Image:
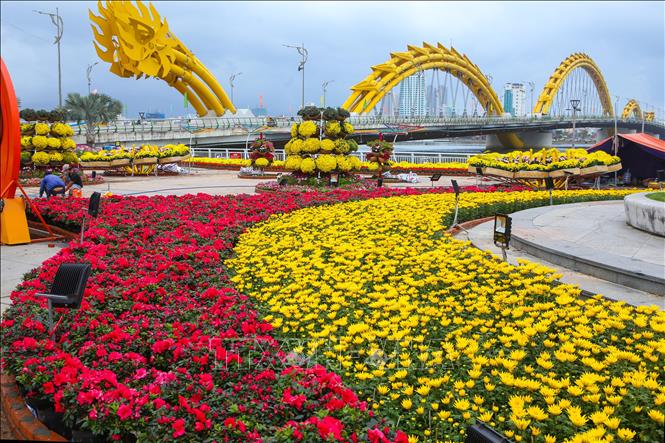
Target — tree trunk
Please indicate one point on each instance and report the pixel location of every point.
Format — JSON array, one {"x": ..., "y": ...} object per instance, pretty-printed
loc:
[{"x": 89, "y": 134}]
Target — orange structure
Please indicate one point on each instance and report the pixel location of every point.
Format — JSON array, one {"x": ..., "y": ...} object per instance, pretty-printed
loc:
[{"x": 13, "y": 222}]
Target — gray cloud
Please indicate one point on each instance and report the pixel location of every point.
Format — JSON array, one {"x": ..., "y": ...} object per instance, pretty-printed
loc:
[{"x": 512, "y": 41}]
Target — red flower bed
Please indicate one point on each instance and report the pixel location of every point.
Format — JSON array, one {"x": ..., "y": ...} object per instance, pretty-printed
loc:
[{"x": 163, "y": 347}]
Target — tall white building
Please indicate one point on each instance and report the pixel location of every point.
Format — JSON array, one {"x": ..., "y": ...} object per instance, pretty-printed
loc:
[
  {"x": 514, "y": 99},
  {"x": 412, "y": 96}
]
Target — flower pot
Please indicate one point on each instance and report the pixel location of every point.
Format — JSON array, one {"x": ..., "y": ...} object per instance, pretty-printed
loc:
[
  {"x": 145, "y": 161},
  {"x": 591, "y": 170},
  {"x": 614, "y": 167},
  {"x": 498, "y": 172},
  {"x": 96, "y": 164},
  {"x": 120, "y": 162},
  {"x": 530, "y": 174},
  {"x": 165, "y": 160}
]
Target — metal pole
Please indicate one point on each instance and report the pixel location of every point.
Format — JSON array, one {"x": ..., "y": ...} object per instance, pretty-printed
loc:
[
  {"x": 50, "y": 319},
  {"x": 302, "y": 96},
  {"x": 82, "y": 231},
  {"x": 303, "y": 52},
  {"x": 325, "y": 88},
  {"x": 233, "y": 77},
  {"x": 60, "y": 27},
  {"x": 615, "y": 140},
  {"x": 88, "y": 73}
]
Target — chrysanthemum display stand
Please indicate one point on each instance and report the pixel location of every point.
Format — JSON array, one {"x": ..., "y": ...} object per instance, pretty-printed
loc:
[
  {"x": 533, "y": 168},
  {"x": 47, "y": 145},
  {"x": 318, "y": 147},
  {"x": 135, "y": 161},
  {"x": 261, "y": 156},
  {"x": 380, "y": 152}
]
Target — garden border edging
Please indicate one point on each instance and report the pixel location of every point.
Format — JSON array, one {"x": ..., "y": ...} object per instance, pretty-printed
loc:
[{"x": 21, "y": 421}]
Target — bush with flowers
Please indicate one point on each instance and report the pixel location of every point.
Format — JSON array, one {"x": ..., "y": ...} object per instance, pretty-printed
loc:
[
  {"x": 436, "y": 335},
  {"x": 379, "y": 155}
]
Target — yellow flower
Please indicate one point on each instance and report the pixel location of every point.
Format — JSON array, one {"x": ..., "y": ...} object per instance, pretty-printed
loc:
[
  {"x": 326, "y": 162},
  {"x": 307, "y": 128},
  {"x": 462, "y": 404},
  {"x": 625, "y": 434},
  {"x": 406, "y": 404},
  {"x": 576, "y": 417},
  {"x": 307, "y": 165},
  {"x": 383, "y": 390},
  {"x": 261, "y": 162},
  {"x": 327, "y": 145},
  {"x": 657, "y": 416}
]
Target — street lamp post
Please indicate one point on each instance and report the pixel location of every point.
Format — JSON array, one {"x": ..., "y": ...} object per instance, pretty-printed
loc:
[
  {"x": 88, "y": 71},
  {"x": 233, "y": 77},
  {"x": 615, "y": 139},
  {"x": 60, "y": 27},
  {"x": 301, "y": 67},
  {"x": 574, "y": 103},
  {"x": 531, "y": 86},
  {"x": 324, "y": 86}
]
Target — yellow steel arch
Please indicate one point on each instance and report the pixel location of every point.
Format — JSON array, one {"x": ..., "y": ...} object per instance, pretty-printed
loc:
[
  {"x": 385, "y": 76},
  {"x": 649, "y": 116},
  {"x": 632, "y": 107},
  {"x": 574, "y": 61},
  {"x": 136, "y": 42}
]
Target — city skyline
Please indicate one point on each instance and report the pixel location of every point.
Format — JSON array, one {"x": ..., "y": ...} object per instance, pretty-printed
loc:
[{"x": 343, "y": 52}]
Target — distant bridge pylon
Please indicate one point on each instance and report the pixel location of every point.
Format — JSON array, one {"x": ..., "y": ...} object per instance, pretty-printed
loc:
[{"x": 632, "y": 107}]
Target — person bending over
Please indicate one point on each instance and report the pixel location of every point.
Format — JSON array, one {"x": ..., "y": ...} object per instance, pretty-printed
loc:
[
  {"x": 74, "y": 183},
  {"x": 51, "y": 184}
]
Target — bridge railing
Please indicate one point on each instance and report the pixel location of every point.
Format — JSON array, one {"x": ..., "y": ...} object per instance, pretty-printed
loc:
[
  {"x": 245, "y": 124},
  {"x": 411, "y": 157}
]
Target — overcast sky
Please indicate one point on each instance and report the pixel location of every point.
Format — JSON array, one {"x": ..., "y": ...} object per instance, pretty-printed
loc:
[{"x": 512, "y": 41}]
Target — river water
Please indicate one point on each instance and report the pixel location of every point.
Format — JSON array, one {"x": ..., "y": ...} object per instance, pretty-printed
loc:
[{"x": 448, "y": 146}]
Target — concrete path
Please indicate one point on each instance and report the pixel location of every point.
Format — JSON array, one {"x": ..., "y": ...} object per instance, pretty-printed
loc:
[
  {"x": 218, "y": 182},
  {"x": 593, "y": 229},
  {"x": 18, "y": 260}
]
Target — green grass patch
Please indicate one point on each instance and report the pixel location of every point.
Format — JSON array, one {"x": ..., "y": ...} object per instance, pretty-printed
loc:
[{"x": 658, "y": 196}]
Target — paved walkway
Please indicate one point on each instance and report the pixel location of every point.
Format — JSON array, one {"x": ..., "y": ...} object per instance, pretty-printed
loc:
[
  {"x": 18, "y": 260},
  {"x": 595, "y": 230},
  {"x": 214, "y": 182}
]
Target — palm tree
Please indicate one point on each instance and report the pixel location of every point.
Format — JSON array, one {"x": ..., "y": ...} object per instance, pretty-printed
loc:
[{"x": 93, "y": 109}]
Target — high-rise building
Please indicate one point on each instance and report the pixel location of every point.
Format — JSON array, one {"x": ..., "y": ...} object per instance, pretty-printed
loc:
[
  {"x": 514, "y": 99},
  {"x": 412, "y": 96}
]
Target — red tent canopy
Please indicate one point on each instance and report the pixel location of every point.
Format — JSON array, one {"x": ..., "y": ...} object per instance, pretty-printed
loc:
[{"x": 641, "y": 153}]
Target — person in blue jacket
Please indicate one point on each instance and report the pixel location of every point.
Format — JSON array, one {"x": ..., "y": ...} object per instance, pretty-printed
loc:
[{"x": 52, "y": 185}]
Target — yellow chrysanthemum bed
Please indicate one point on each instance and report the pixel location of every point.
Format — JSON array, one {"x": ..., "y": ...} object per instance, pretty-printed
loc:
[{"x": 436, "y": 334}]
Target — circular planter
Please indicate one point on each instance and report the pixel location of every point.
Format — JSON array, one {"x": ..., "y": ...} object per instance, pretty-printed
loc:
[{"x": 645, "y": 214}]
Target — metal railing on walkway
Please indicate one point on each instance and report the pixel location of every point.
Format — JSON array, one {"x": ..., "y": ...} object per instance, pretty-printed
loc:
[{"x": 411, "y": 157}]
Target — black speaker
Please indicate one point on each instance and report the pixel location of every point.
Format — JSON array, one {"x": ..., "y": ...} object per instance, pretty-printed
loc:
[
  {"x": 479, "y": 171},
  {"x": 93, "y": 175},
  {"x": 379, "y": 182},
  {"x": 455, "y": 186},
  {"x": 481, "y": 433},
  {"x": 93, "y": 206},
  {"x": 549, "y": 183}
]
